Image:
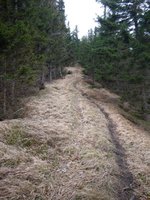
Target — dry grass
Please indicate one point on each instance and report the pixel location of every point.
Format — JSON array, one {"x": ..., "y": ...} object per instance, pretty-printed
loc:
[
  {"x": 62, "y": 149},
  {"x": 135, "y": 140},
  {"x": 27, "y": 161},
  {"x": 57, "y": 152}
]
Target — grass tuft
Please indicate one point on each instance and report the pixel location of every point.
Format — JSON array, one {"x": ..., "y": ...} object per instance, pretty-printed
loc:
[
  {"x": 10, "y": 162},
  {"x": 16, "y": 136},
  {"x": 19, "y": 138}
]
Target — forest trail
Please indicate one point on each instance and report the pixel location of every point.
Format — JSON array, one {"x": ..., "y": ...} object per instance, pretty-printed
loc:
[{"x": 73, "y": 145}]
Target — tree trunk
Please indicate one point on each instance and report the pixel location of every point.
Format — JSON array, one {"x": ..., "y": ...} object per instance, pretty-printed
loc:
[
  {"x": 144, "y": 98},
  {"x": 16, "y": 5},
  {"x": 60, "y": 72},
  {"x": 135, "y": 18},
  {"x": 5, "y": 92},
  {"x": 105, "y": 11},
  {"x": 42, "y": 80},
  {"x": 4, "y": 101},
  {"x": 13, "y": 92},
  {"x": 136, "y": 27},
  {"x": 54, "y": 72},
  {"x": 50, "y": 73}
]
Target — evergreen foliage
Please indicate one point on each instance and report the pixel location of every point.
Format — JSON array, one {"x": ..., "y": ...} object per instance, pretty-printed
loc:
[
  {"x": 33, "y": 48},
  {"x": 118, "y": 53}
]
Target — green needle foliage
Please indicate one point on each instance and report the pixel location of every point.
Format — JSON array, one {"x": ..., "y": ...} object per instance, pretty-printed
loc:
[
  {"x": 33, "y": 48},
  {"x": 117, "y": 53}
]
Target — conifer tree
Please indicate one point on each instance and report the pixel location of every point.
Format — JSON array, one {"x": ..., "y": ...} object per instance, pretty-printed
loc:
[
  {"x": 119, "y": 52},
  {"x": 33, "y": 48}
]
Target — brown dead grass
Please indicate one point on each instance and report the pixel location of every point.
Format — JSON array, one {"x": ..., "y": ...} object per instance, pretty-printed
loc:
[
  {"x": 134, "y": 139},
  {"x": 62, "y": 149}
]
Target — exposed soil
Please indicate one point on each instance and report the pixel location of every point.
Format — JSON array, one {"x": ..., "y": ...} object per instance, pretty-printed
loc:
[{"x": 73, "y": 145}]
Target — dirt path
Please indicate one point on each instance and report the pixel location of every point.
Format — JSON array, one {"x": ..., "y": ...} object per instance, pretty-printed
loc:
[{"x": 73, "y": 145}]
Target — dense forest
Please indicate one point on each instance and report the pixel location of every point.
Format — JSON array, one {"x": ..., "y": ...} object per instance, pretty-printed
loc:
[
  {"x": 36, "y": 44},
  {"x": 117, "y": 53},
  {"x": 34, "y": 47}
]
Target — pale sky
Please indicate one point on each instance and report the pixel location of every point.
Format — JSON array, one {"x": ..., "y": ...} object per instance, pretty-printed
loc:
[{"x": 82, "y": 13}]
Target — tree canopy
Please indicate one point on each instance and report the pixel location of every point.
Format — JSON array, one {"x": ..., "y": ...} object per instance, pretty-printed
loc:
[
  {"x": 117, "y": 54},
  {"x": 34, "y": 47}
]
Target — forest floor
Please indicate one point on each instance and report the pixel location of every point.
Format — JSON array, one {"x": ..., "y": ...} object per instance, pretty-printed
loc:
[{"x": 73, "y": 144}]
